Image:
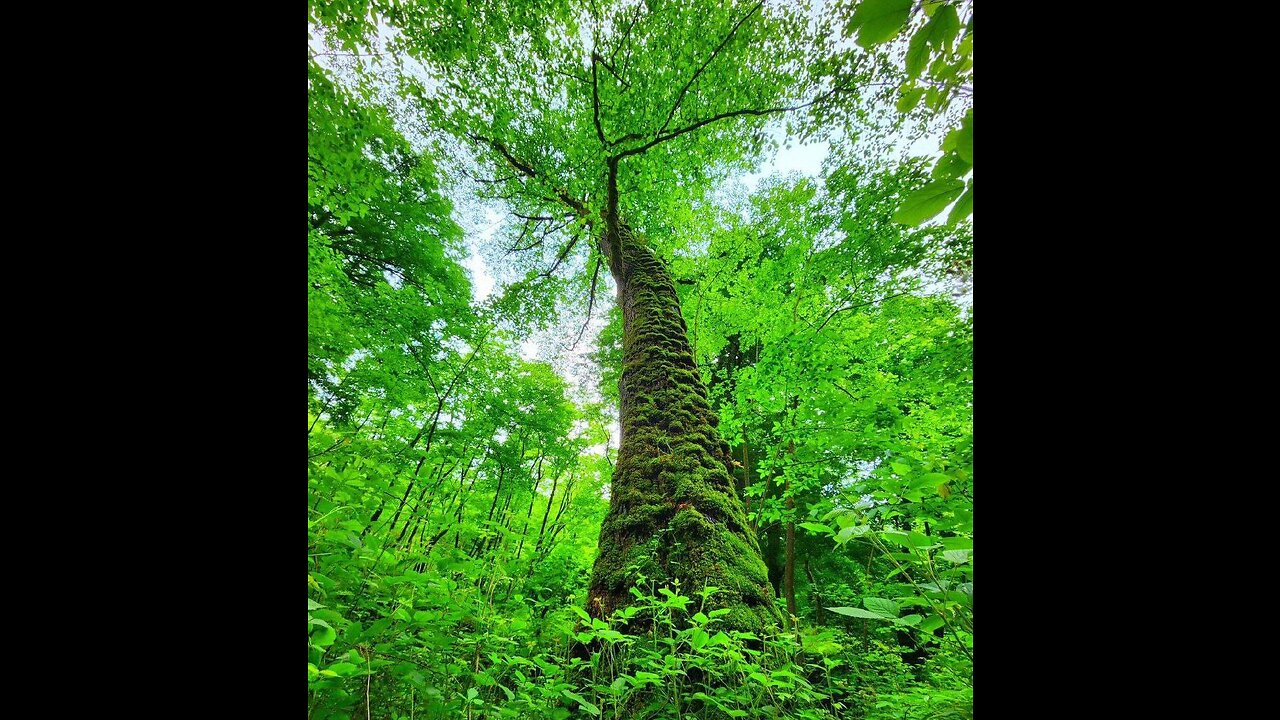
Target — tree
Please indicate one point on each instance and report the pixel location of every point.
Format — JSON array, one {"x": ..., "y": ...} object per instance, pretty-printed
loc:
[
  {"x": 445, "y": 472},
  {"x": 614, "y": 138}
]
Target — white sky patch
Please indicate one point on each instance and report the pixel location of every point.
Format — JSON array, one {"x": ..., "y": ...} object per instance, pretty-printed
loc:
[
  {"x": 804, "y": 158},
  {"x": 482, "y": 281}
]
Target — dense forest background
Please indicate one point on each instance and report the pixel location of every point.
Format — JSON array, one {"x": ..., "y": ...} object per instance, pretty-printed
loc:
[{"x": 610, "y": 414}]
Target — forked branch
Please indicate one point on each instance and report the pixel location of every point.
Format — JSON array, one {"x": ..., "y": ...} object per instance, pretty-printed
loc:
[{"x": 705, "y": 63}]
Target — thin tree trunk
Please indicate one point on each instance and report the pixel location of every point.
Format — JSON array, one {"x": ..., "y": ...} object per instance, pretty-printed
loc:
[
  {"x": 789, "y": 565},
  {"x": 816, "y": 591},
  {"x": 533, "y": 500}
]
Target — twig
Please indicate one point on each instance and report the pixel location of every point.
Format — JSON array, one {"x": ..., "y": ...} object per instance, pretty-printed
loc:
[{"x": 590, "y": 301}]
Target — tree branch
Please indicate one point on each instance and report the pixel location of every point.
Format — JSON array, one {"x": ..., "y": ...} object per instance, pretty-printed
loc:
[
  {"x": 425, "y": 369},
  {"x": 626, "y": 36},
  {"x": 705, "y": 63},
  {"x": 672, "y": 134},
  {"x": 614, "y": 71},
  {"x": 579, "y": 78},
  {"x": 523, "y": 168},
  {"x": 840, "y": 387},
  {"x": 515, "y": 246},
  {"x": 562, "y": 195},
  {"x": 591, "y": 300},
  {"x": 564, "y": 252},
  {"x": 595, "y": 99},
  {"x": 854, "y": 307}
]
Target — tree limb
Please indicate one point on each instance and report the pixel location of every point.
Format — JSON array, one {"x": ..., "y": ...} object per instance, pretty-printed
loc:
[
  {"x": 591, "y": 300},
  {"x": 595, "y": 99},
  {"x": 853, "y": 307},
  {"x": 564, "y": 252},
  {"x": 705, "y": 63},
  {"x": 614, "y": 71},
  {"x": 672, "y": 134},
  {"x": 579, "y": 78},
  {"x": 562, "y": 195},
  {"x": 425, "y": 369}
]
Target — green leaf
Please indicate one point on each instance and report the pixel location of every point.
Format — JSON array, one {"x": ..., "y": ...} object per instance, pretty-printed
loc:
[
  {"x": 963, "y": 207},
  {"x": 345, "y": 669},
  {"x": 582, "y": 701},
  {"x": 917, "y": 56},
  {"x": 928, "y": 201},
  {"x": 909, "y": 620},
  {"x": 958, "y": 557},
  {"x": 920, "y": 541},
  {"x": 323, "y": 636},
  {"x": 901, "y": 468},
  {"x": 896, "y": 537},
  {"x": 313, "y": 605},
  {"x": 961, "y": 139},
  {"x": 942, "y": 29},
  {"x": 817, "y": 528},
  {"x": 858, "y": 613},
  {"x": 879, "y": 20},
  {"x": 699, "y": 639},
  {"x": 848, "y": 533},
  {"x": 935, "y": 99},
  {"x": 949, "y": 166},
  {"x": 931, "y": 624},
  {"x": 882, "y": 606}
]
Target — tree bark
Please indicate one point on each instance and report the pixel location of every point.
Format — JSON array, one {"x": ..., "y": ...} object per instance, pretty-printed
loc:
[
  {"x": 789, "y": 562},
  {"x": 674, "y": 513}
]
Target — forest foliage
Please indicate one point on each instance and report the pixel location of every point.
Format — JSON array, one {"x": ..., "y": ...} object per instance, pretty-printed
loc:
[{"x": 458, "y": 483}]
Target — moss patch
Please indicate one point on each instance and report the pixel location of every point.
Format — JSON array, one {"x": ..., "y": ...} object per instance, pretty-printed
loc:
[{"x": 674, "y": 512}]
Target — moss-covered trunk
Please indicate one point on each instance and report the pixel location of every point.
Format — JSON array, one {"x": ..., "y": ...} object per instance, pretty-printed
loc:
[{"x": 674, "y": 511}]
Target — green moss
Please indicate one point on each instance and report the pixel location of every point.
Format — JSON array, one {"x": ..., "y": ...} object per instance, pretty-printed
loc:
[{"x": 675, "y": 514}]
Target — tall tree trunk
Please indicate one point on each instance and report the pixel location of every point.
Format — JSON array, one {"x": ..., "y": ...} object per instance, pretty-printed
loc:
[{"x": 674, "y": 513}]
